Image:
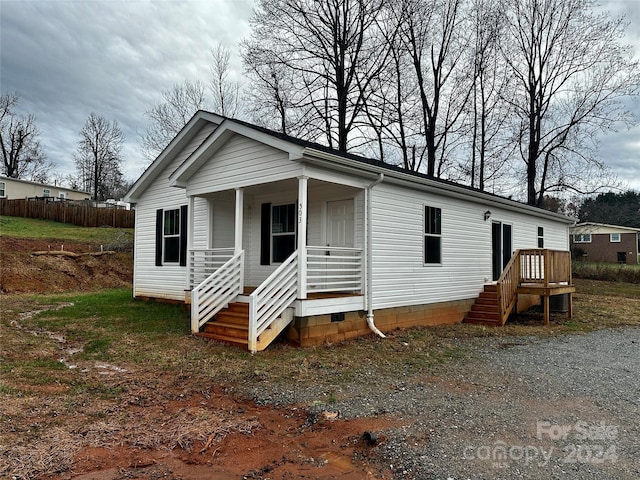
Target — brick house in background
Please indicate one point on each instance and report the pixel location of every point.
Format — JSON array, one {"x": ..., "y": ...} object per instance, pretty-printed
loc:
[{"x": 599, "y": 242}]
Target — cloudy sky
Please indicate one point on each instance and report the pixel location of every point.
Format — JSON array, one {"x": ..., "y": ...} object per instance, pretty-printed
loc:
[{"x": 67, "y": 59}]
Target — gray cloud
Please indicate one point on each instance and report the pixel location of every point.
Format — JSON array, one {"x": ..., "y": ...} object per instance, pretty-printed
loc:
[{"x": 68, "y": 59}]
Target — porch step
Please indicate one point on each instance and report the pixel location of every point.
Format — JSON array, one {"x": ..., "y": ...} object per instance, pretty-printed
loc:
[
  {"x": 485, "y": 310},
  {"x": 236, "y": 313},
  {"x": 239, "y": 342},
  {"x": 231, "y": 325}
]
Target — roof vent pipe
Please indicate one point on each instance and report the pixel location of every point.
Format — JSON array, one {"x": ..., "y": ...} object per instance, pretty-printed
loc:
[{"x": 370, "y": 323}]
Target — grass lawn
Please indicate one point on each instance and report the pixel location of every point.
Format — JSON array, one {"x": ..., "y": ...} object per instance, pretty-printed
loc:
[
  {"x": 98, "y": 368},
  {"x": 112, "y": 327},
  {"x": 48, "y": 230},
  {"x": 606, "y": 271}
]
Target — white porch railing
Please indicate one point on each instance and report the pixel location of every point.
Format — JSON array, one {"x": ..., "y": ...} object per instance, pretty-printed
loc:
[
  {"x": 272, "y": 298},
  {"x": 203, "y": 263},
  {"x": 334, "y": 269},
  {"x": 216, "y": 291}
]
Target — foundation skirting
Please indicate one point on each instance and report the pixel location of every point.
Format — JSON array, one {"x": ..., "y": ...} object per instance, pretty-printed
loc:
[{"x": 319, "y": 329}]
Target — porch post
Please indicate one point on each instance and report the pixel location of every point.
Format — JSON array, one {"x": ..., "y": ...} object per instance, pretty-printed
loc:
[
  {"x": 238, "y": 221},
  {"x": 302, "y": 237},
  {"x": 237, "y": 247},
  {"x": 190, "y": 222}
]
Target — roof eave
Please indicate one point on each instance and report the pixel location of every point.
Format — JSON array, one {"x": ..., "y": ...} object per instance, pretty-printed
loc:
[
  {"x": 451, "y": 190},
  {"x": 190, "y": 129},
  {"x": 180, "y": 177}
]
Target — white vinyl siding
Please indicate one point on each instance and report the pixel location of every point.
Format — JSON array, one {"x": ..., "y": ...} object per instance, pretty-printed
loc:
[
  {"x": 318, "y": 195},
  {"x": 242, "y": 162},
  {"x": 399, "y": 276},
  {"x": 167, "y": 281}
]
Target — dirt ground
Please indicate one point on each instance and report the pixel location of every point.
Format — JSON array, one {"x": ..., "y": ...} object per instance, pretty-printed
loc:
[
  {"x": 22, "y": 272},
  {"x": 218, "y": 436}
]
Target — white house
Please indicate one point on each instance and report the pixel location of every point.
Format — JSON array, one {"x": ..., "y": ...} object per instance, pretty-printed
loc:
[
  {"x": 13, "y": 188},
  {"x": 260, "y": 232}
]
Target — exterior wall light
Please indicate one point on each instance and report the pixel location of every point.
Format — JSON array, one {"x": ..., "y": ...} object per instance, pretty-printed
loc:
[{"x": 487, "y": 215}]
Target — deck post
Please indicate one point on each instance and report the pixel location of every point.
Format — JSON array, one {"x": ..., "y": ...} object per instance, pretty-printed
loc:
[
  {"x": 546, "y": 308},
  {"x": 302, "y": 237}
]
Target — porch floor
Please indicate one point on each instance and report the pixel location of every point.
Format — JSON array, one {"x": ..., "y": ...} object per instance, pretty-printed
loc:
[{"x": 313, "y": 295}]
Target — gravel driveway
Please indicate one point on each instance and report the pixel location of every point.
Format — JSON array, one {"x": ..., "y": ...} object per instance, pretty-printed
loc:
[{"x": 564, "y": 407}]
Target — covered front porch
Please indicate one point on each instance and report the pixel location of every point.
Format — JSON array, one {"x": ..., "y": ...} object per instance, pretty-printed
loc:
[{"x": 295, "y": 251}]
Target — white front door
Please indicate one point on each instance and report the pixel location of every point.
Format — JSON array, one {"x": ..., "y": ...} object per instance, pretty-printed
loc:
[{"x": 340, "y": 223}]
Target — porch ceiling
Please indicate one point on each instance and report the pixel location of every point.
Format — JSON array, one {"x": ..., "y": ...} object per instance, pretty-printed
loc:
[{"x": 290, "y": 184}]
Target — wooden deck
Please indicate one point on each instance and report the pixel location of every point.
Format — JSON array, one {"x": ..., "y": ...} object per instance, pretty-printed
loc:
[{"x": 529, "y": 272}]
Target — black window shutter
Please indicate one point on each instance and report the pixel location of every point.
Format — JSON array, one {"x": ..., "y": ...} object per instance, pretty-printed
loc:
[
  {"x": 265, "y": 234},
  {"x": 183, "y": 235},
  {"x": 159, "y": 237}
]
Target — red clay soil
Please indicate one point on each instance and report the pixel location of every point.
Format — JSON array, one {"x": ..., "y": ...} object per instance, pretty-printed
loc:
[
  {"x": 283, "y": 443},
  {"x": 22, "y": 272},
  {"x": 254, "y": 442}
]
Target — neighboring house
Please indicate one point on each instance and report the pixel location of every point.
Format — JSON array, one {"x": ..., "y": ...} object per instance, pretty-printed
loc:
[
  {"x": 599, "y": 242},
  {"x": 13, "y": 188},
  {"x": 260, "y": 231}
]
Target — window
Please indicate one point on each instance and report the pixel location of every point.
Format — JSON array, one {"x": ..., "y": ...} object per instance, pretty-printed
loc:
[
  {"x": 283, "y": 232},
  {"x": 540, "y": 237},
  {"x": 171, "y": 236},
  {"x": 432, "y": 235},
  {"x": 62, "y": 195},
  {"x": 614, "y": 238},
  {"x": 2, "y": 189},
  {"x": 582, "y": 238},
  {"x": 46, "y": 192}
]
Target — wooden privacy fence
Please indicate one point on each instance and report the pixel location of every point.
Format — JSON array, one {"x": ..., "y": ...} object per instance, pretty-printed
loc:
[{"x": 75, "y": 213}]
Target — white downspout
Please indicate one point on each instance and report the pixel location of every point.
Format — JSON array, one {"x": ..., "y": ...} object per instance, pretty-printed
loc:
[{"x": 367, "y": 201}]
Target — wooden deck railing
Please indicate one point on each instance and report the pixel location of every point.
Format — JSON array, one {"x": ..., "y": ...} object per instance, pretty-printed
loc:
[
  {"x": 507, "y": 287},
  {"x": 536, "y": 266},
  {"x": 543, "y": 266}
]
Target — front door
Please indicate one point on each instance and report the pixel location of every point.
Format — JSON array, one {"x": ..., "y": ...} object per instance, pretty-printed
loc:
[
  {"x": 340, "y": 223},
  {"x": 501, "y": 246}
]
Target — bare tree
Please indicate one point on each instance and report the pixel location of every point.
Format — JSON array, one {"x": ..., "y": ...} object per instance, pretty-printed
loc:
[
  {"x": 269, "y": 100},
  {"x": 166, "y": 119},
  {"x": 434, "y": 35},
  {"x": 572, "y": 76},
  {"x": 489, "y": 116},
  {"x": 227, "y": 99},
  {"x": 22, "y": 153},
  {"x": 331, "y": 49},
  {"x": 98, "y": 157}
]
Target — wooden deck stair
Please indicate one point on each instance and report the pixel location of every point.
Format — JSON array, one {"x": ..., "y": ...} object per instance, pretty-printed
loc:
[
  {"x": 485, "y": 310},
  {"x": 231, "y": 325},
  {"x": 539, "y": 271}
]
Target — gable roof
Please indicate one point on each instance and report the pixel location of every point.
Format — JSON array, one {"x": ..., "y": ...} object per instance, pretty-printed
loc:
[
  {"x": 602, "y": 228},
  {"x": 184, "y": 136},
  {"x": 304, "y": 150},
  {"x": 38, "y": 184}
]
